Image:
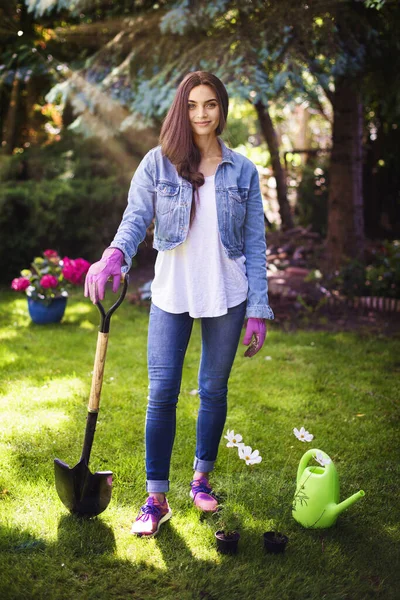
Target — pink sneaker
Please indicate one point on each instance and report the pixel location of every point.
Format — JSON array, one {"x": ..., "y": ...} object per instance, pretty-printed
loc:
[
  {"x": 201, "y": 494},
  {"x": 150, "y": 517}
]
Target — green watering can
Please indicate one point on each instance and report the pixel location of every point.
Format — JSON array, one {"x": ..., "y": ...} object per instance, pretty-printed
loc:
[{"x": 316, "y": 501}]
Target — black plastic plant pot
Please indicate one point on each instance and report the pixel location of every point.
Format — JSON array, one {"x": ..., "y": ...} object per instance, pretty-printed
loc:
[
  {"x": 275, "y": 542},
  {"x": 227, "y": 544}
]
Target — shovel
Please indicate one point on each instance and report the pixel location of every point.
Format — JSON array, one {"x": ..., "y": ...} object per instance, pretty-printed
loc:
[{"x": 82, "y": 492}]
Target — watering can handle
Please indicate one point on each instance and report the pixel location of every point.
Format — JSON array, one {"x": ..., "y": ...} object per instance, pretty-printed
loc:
[{"x": 306, "y": 459}]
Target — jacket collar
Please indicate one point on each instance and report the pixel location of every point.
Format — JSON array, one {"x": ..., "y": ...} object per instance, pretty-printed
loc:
[{"x": 227, "y": 154}]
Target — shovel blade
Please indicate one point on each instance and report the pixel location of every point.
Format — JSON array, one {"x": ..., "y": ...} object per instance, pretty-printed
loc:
[{"x": 82, "y": 492}]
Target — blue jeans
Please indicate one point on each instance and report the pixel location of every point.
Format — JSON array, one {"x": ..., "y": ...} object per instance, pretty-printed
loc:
[{"x": 168, "y": 339}]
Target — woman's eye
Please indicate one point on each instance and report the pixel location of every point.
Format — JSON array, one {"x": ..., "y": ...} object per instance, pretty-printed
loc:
[{"x": 208, "y": 105}]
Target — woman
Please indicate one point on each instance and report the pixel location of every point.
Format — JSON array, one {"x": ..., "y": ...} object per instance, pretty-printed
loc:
[{"x": 211, "y": 265}]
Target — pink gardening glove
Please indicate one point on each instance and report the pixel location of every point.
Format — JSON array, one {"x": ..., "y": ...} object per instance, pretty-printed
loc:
[
  {"x": 256, "y": 329},
  {"x": 96, "y": 278}
]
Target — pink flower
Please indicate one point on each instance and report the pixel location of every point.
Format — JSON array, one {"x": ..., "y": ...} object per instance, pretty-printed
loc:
[
  {"x": 20, "y": 284},
  {"x": 50, "y": 253},
  {"x": 52, "y": 256},
  {"x": 49, "y": 281},
  {"x": 75, "y": 270}
]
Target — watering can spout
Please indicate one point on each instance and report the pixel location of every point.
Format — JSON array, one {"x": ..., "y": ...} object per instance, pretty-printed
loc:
[{"x": 348, "y": 502}]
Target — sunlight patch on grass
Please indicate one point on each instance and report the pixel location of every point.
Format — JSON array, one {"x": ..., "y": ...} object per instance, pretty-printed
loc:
[
  {"x": 87, "y": 325},
  {"x": 8, "y": 334},
  {"x": 17, "y": 307},
  {"x": 13, "y": 423},
  {"x": 143, "y": 550},
  {"x": 80, "y": 308},
  {"x": 35, "y": 508},
  {"x": 392, "y": 532},
  {"x": 18, "y": 303},
  {"x": 149, "y": 553},
  {"x": 194, "y": 535},
  {"x": 62, "y": 388},
  {"x": 7, "y": 357}
]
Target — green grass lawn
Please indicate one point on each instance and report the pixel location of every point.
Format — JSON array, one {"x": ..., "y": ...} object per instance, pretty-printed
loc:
[{"x": 343, "y": 387}]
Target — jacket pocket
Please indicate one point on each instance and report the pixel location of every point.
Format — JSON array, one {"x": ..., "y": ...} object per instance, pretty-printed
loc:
[
  {"x": 167, "y": 195},
  {"x": 237, "y": 203}
]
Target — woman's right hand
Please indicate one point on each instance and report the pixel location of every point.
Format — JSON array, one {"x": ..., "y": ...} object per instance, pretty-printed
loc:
[{"x": 96, "y": 278}]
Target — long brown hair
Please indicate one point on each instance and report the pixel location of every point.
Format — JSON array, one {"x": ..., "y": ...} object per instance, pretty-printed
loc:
[{"x": 176, "y": 136}]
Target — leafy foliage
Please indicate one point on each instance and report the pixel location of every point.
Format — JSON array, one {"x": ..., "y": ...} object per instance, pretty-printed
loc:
[
  {"x": 209, "y": 36},
  {"x": 312, "y": 196},
  {"x": 262, "y": 51},
  {"x": 40, "y": 7},
  {"x": 76, "y": 216},
  {"x": 379, "y": 277}
]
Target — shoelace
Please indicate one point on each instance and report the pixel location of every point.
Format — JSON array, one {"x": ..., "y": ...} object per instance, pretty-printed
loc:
[
  {"x": 199, "y": 485},
  {"x": 147, "y": 510}
]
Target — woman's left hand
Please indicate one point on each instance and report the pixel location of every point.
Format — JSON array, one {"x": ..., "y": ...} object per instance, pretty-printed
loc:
[{"x": 256, "y": 331}]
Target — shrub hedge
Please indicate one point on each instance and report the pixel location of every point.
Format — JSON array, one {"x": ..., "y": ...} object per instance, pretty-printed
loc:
[
  {"x": 312, "y": 196},
  {"x": 77, "y": 217},
  {"x": 380, "y": 276}
]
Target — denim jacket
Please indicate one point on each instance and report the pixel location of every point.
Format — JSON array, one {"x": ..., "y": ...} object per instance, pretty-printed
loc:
[{"x": 158, "y": 191}]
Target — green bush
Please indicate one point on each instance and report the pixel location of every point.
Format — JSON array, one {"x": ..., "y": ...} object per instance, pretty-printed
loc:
[
  {"x": 70, "y": 157},
  {"x": 10, "y": 167},
  {"x": 312, "y": 196},
  {"x": 380, "y": 277},
  {"x": 76, "y": 217}
]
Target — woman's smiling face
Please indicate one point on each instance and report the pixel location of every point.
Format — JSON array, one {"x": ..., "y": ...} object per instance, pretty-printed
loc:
[{"x": 203, "y": 110}]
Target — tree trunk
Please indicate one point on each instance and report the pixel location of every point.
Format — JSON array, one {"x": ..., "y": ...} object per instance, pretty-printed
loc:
[
  {"x": 269, "y": 133},
  {"x": 10, "y": 121},
  {"x": 345, "y": 237}
]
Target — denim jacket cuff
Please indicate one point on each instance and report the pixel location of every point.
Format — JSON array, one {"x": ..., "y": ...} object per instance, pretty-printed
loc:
[{"x": 259, "y": 312}]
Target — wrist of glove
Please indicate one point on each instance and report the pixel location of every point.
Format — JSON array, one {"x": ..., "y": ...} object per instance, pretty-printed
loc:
[
  {"x": 254, "y": 338},
  {"x": 97, "y": 276}
]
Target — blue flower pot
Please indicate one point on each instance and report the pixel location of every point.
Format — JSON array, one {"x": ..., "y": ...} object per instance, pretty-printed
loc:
[{"x": 42, "y": 313}]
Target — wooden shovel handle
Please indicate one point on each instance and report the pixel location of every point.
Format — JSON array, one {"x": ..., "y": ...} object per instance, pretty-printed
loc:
[{"x": 98, "y": 370}]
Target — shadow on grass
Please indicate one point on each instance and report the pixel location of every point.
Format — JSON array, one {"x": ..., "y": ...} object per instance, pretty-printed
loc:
[
  {"x": 19, "y": 541},
  {"x": 81, "y": 537},
  {"x": 191, "y": 573},
  {"x": 172, "y": 544},
  {"x": 76, "y": 537},
  {"x": 82, "y": 563}
]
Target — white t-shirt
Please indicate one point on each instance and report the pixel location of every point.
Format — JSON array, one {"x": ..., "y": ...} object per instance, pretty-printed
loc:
[{"x": 197, "y": 276}]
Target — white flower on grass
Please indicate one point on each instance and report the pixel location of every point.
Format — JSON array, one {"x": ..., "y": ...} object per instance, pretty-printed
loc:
[
  {"x": 249, "y": 456},
  {"x": 303, "y": 435},
  {"x": 321, "y": 459},
  {"x": 233, "y": 440}
]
